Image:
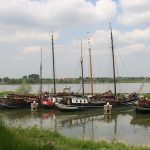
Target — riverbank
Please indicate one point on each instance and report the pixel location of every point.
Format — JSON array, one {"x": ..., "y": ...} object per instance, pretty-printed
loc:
[
  {"x": 37, "y": 139},
  {"x": 34, "y": 79}
]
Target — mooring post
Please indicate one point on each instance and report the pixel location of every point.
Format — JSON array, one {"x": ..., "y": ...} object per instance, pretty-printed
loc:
[
  {"x": 34, "y": 106},
  {"x": 107, "y": 109}
]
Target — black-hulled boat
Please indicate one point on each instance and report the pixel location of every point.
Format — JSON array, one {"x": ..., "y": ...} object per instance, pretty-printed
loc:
[
  {"x": 17, "y": 101},
  {"x": 143, "y": 110},
  {"x": 143, "y": 106}
]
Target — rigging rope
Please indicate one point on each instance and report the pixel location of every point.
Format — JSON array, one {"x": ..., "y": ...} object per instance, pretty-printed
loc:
[
  {"x": 123, "y": 65},
  {"x": 76, "y": 74},
  {"x": 141, "y": 87}
]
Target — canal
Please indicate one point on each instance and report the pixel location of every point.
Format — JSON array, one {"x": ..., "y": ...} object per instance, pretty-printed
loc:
[{"x": 124, "y": 125}]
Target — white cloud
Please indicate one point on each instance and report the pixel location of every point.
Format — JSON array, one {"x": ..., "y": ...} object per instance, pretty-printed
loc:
[
  {"x": 32, "y": 50},
  {"x": 135, "y": 12},
  {"x": 126, "y": 46},
  {"x": 105, "y": 9},
  {"x": 67, "y": 56},
  {"x": 130, "y": 41},
  {"x": 25, "y": 26},
  {"x": 51, "y": 13},
  {"x": 22, "y": 36},
  {"x": 26, "y": 35}
]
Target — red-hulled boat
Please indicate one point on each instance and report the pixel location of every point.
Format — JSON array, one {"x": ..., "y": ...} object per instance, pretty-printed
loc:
[{"x": 48, "y": 102}]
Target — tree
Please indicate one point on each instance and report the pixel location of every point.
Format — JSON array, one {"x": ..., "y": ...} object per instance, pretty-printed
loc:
[
  {"x": 24, "y": 88},
  {"x": 5, "y": 79},
  {"x": 34, "y": 76},
  {"x": 24, "y": 77}
]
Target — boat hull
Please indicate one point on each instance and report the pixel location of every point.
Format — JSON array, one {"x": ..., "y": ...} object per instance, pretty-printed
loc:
[
  {"x": 46, "y": 104},
  {"x": 143, "y": 110},
  {"x": 90, "y": 105},
  {"x": 63, "y": 107},
  {"x": 15, "y": 105}
]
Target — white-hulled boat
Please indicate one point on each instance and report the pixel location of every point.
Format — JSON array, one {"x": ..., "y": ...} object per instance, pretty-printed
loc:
[
  {"x": 76, "y": 103},
  {"x": 64, "y": 107}
]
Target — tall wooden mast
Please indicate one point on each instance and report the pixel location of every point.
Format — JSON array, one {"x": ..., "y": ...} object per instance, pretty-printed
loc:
[
  {"x": 82, "y": 74},
  {"x": 91, "y": 74},
  {"x": 54, "y": 80},
  {"x": 113, "y": 58},
  {"x": 41, "y": 73}
]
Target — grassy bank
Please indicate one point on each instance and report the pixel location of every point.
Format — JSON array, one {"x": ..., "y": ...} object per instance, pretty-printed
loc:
[
  {"x": 35, "y": 139},
  {"x": 4, "y": 93}
]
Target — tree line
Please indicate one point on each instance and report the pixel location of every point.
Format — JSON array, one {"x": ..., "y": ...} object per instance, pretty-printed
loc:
[{"x": 35, "y": 79}]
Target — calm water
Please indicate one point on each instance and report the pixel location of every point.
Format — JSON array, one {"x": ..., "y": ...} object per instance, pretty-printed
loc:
[
  {"x": 121, "y": 87},
  {"x": 123, "y": 125}
]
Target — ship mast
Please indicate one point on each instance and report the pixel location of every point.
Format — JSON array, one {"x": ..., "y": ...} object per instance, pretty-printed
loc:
[
  {"x": 90, "y": 58},
  {"x": 113, "y": 58},
  {"x": 54, "y": 80},
  {"x": 81, "y": 60},
  {"x": 41, "y": 74}
]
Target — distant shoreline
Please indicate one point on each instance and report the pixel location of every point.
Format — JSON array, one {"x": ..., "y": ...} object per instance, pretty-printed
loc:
[{"x": 75, "y": 81}]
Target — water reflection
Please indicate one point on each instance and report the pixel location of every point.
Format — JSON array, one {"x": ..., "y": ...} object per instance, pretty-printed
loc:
[
  {"x": 123, "y": 125},
  {"x": 109, "y": 119},
  {"x": 141, "y": 120}
]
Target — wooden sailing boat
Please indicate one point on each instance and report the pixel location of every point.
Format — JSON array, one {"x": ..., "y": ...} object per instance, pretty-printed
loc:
[
  {"x": 104, "y": 97},
  {"x": 47, "y": 101},
  {"x": 53, "y": 58},
  {"x": 113, "y": 100},
  {"x": 44, "y": 101},
  {"x": 98, "y": 97},
  {"x": 132, "y": 97},
  {"x": 109, "y": 96},
  {"x": 113, "y": 58}
]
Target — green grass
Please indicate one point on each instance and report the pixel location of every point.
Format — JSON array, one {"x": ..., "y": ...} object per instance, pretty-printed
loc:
[
  {"x": 4, "y": 93},
  {"x": 146, "y": 95},
  {"x": 36, "y": 139}
]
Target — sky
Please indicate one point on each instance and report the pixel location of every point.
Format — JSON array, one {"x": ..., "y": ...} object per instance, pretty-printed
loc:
[{"x": 26, "y": 27}]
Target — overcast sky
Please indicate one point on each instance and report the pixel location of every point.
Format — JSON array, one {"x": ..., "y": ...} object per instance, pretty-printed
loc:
[{"x": 25, "y": 26}]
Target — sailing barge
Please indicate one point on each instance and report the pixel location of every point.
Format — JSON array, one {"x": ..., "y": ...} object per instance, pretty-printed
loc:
[
  {"x": 143, "y": 106},
  {"x": 14, "y": 101}
]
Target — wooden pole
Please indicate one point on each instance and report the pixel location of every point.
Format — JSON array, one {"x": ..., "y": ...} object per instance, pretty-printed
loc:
[
  {"x": 54, "y": 80},
  {"x": 91, "y": 74},
  {"x": 113, "y": 58},
  {"x": 82, "y": 74},
  {"x": 41, "y": 74}
]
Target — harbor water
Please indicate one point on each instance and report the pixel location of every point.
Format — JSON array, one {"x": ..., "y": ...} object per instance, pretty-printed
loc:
[{"x": 123, "y": 125}]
